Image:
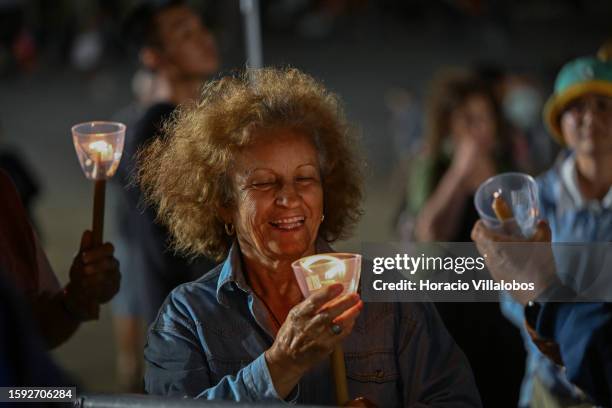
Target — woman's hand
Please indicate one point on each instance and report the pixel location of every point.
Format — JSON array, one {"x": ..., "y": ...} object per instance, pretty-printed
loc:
[
  {"x": 94, "y": 279},
  {"x": 306, "y": 337}
]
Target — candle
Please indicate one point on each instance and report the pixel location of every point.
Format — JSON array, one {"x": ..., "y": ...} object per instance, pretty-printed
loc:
[
  {"x": 103, "y": 155},
  {"x": 316, "y": 272},
  {"x": 104, "y": 149},
  {"x": 503, "y": 212},
  {"x": 332, "y": 270},
  {"x": 98, "y": 146}
]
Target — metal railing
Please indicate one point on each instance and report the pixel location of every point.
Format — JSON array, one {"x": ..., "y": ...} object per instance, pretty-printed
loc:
[{"x": 150, "y": 401}]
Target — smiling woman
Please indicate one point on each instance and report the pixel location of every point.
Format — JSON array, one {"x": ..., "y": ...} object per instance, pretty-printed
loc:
[
  {"x": 191, "y": 171},
  {"x": 261, "y": 172}
]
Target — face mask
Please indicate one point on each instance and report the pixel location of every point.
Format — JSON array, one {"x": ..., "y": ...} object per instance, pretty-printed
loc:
[{"x": 521, "y": 106}]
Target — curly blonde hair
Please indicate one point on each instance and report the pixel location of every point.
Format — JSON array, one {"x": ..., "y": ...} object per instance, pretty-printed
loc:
[{"x": 184, "y": 173}]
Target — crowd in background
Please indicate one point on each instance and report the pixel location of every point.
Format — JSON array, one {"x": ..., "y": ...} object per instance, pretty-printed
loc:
[{"x": 475, "y": 122}]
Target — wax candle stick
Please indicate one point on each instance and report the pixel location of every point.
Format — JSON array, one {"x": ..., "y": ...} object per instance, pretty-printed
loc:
[
  {"x": 502, "y": 210},
  {"x": 98, "y": 211},
  {"x": 339, "y": 372}
]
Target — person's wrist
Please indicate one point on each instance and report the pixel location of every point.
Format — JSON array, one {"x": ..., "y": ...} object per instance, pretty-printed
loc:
[
  {"x": 280, "y": 363},
  {"x": 284, "y": 375}
]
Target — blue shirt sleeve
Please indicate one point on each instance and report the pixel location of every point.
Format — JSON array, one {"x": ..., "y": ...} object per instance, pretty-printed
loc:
[
  {"x": 176, "y": 365},
  {"x": 584, "y": 334}
]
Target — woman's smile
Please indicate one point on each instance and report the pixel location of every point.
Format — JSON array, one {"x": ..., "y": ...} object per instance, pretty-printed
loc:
[{"x": 288, "y": 224}]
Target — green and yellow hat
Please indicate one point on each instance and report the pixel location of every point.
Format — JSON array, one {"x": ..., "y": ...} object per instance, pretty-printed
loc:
[{"x": 577, "y": 78}]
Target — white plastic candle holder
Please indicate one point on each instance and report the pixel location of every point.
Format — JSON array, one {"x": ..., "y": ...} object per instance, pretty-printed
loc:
[{"x": 99, "y": 146}]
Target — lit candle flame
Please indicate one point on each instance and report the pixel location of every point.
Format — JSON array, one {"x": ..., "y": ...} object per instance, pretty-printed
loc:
[
  {"x": 336, "y": 269},
  {"x": 102, "y": 149}
]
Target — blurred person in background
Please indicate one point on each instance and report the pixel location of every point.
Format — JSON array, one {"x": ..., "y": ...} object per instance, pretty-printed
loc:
[
  {"x": 268, "y": 174},
  {"x": 180, "y": 53},
  {"x": 520, "y": 98},
  {"x": 94, "y": 274},
  {"x": 465, "y": 143},
  {"x": 575, "y": 198},
  {"x": 148, "y": 88},
  {"x": 575, "y": 194}
]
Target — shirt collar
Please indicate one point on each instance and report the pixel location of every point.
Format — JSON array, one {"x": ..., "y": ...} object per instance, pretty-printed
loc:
[
  {"x": 569, "y": 178},
  {"x": 232, "y": 275},
  {"x": 231, "y": 272}
]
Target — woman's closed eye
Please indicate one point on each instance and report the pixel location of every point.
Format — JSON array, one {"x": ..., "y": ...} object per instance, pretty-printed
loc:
[
  {"x": 263, "y": 184},
  {"x": 305, "y": 179}
]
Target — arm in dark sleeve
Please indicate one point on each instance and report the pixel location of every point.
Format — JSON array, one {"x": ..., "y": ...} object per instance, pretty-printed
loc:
[
  {"x": 583, "y": 332},
  {"x": 435, "y": 372}
]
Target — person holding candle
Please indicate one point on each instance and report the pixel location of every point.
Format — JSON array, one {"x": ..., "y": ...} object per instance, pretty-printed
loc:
[
  {"x": 181, "y": 53},
  {"x": 575, "y": 198},
  {"x": 570, "y": 339},
  {"x": 94, "y": 274},
  {"x": 268, "y": 174}
]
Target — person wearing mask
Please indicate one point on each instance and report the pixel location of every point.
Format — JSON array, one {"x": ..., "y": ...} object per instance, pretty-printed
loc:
[
  {"x": 521, "y": 99},
  {"x": 181, "y": 53}
]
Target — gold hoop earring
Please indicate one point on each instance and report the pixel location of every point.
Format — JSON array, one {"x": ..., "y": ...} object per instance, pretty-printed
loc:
[{"x": 229, "y": 229}]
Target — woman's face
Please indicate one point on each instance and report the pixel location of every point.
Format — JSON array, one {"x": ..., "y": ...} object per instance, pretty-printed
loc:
[
  {"x": 586, "y": 125},
  {"x": 279, "y": 196},
  {"x": 474, "y": 119}
]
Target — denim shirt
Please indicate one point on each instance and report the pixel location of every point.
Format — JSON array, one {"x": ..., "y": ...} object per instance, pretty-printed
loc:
[
  {"x": 571, "y": 219},
  {"x": 209, "y": 339}
]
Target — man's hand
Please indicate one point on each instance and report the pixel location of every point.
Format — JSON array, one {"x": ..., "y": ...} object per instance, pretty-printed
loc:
[
  {"x": 94, "y": 279},
  {"x": 523, "y": 260}
]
